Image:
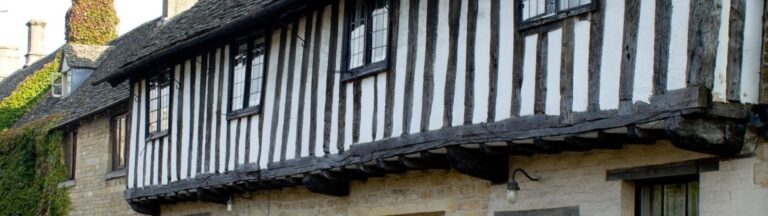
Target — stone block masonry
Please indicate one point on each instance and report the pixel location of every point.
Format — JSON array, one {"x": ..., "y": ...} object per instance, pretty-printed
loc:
[{"x": 92, "y": 193}]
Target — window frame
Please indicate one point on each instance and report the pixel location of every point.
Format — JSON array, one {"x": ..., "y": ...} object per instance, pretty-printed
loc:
[
  {"x": 113, "y": 141},
  {"x": 247, "y": 109},
  {"x": 366, "y": 69},
  {"x": 69, "y": 147},
  {"x": 683, "y": 179},
  {"x": 159, "y": 132},
  {"x": 541, "y": 20},
  {"x": 57, "y": 81}
]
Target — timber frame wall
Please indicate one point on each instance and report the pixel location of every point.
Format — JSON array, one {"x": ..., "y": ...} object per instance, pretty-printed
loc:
[{"x": 462, "y": 84}]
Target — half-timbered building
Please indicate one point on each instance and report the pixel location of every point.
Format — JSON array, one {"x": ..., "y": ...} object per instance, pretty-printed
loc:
[{"x": 244, "y": 96}]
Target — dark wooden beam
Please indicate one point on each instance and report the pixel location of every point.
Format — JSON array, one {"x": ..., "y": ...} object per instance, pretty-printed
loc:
[
  {"x": 719, "y": 137},
  {"x": 478, "y": 164},
  {"x": 395, "y": 166},
  {"x": 148, "y": 209},
  {"x": 322, "y": 185},
  {"x": 212, "y": 196}
]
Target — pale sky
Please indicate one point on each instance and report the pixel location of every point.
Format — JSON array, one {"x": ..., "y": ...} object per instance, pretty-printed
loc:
[{"x": 13, "y": 29}]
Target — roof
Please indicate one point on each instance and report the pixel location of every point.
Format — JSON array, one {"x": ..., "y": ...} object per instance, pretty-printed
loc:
[
  {"x": 9, "y": 84},
  {"x": 85, "y": 56},
  {"x": 202, "y": 24},
  {"x": 89, "y": 98}
]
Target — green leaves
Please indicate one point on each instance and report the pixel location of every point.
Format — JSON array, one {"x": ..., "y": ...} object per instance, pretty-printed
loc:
[
  {"x": 31, "y": 167},
  {"x": 91, "y": 22},
  {"x": 27, "y": 94}
]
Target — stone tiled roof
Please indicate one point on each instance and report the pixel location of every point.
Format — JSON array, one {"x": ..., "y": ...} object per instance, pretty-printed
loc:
[
  {"x": 201, "y": 23},
  {"x": 85, "y": 56},
  {"x": 89, "y": 98},
  {"x": 10, "y": 83}
]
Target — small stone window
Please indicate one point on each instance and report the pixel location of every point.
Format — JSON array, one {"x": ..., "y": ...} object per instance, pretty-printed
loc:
[
  {"x": 119, "y": 139},
  {"x": 677, "y": 196},
  {"x": 70, "y": 153}
]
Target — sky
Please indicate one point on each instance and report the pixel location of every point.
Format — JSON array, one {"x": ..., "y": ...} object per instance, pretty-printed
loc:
[{"x": 13, "y": 29}]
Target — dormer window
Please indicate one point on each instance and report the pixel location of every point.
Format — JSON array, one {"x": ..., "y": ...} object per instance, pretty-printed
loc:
[
  {"x": 57, "y": 83},
  {"x": 159, "y": 101}
]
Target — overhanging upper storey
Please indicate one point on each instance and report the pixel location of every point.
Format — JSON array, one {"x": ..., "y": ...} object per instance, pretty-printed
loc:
[{"x": 338, "y": 90}]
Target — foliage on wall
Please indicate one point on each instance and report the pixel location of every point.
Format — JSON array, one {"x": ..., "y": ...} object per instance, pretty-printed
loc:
[
  {"x": 91, "y": 22},
  {"x": 31, "y": 168},
  {"x": 27, "y": 94}
]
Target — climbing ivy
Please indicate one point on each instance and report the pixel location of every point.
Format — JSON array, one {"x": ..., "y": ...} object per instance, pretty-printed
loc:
[
  {"x": 31, "y": 168},
  {"x": 27, "y": 94},
  {"x": 91, "y": 22}
]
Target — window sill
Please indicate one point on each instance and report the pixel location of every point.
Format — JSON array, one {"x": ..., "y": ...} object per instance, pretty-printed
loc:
[
  {"x": 67, "y": 184},
  {"x": 157, "y": 135},
  {"x": 364, "y": 71},
  {"x": 115, "y": 174},
  {"x": 244, "y": 112}
]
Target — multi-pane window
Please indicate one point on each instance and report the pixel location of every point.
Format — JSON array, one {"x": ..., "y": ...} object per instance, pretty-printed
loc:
[
  {"x": 247, "y": 74},
  {"x": 368, "y": 32},
  {"x": 56, "y": 84},
  {"x": 678, "y": 197},
  {"x": 119, "y": 125},
  {"x": 535, "y": 10},
  {"x": 159, "y": 102},
  {"x": 70, "y": 153}
]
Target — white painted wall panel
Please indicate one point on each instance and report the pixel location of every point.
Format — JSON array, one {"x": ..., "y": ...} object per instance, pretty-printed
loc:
[
  {"x": 281, "y": 108},
  {"x": 678, "y": 45},
  {"x": 174, "y": 117},
  {"x": 164, "y": 158},
  {"x": 322, "y": 79},
  {"x": 554, "y": 54},
  {"x": 750, "y": 69},
  {"x": 293, "y": 121},
  {"x": 244, "y": 122},
  {"x": 186, "y": 117},
  {"x": 196, "y": 110},
  {"x": 581, "y": 66},
  {"x": 132, "y": 150},
  {"x": 255, "y": 141},
  {"x": 142, "y": 150},
  {"x": 381, "y": 102},
  {"x": 482, "y": 62},
  {"x": 367, "y": 104},
  {"x": 418, "y": 75},
  {"x": 348, "y": 115},
  {"x": 232, "y": 146},
  {"x": 307, "y": 109},
  {"x": 461, "y": 69},
  {"x": 610, "y": 67},
  {"x": 720, "y": 87},
  {"x": 440, "y": 67},
  {"x": 400, "y": 68},
  {"x": 506, "y": 60},
  {"x": 643, "y": 86},
  {"x": 334, "y": 136},
  {"x": 528, "y": 90},
  {"x": 269, "y": 98}
]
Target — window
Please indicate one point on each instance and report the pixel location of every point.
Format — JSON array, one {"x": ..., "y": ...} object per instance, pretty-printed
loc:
[
  {"x": 247, "y": 76},
  {"x": 159, "y": 102},
  {"x": 70, "y": 153},
  {"x": 368, "y": 27},
  {"x": 678, "y": 196},
  {"x": 537, "y": 12},
  {"x": 56, "y": 84},
  {"x": 119, "y": 125}
]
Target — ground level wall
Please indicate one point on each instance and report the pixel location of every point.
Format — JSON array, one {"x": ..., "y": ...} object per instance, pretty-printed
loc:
[
  {"x": 92, "y": 192},
  {"x": 568, "y": 179}
]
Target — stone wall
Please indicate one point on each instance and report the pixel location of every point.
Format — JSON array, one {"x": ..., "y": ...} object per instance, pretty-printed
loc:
[
  {"x": 579, "y": 179},
  {"x": 92, "y": 193},
  {"x": 433, "y": 191}
]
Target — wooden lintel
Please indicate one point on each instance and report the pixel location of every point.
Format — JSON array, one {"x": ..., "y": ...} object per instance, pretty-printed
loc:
[
  {"x": 322, "y": 185},
  {"x": 148, "y": 209},
  {"x": 478, "y": 164},
  {"x": 212, "y": 196}
]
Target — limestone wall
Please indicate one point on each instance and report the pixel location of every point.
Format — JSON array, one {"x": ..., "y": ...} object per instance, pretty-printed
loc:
[
  {"x": 92, "y": 193},
  {"x": 579, "y": 179}
]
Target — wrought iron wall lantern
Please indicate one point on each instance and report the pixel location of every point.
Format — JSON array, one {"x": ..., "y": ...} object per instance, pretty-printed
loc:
[{"x": 513, "y": 188}]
